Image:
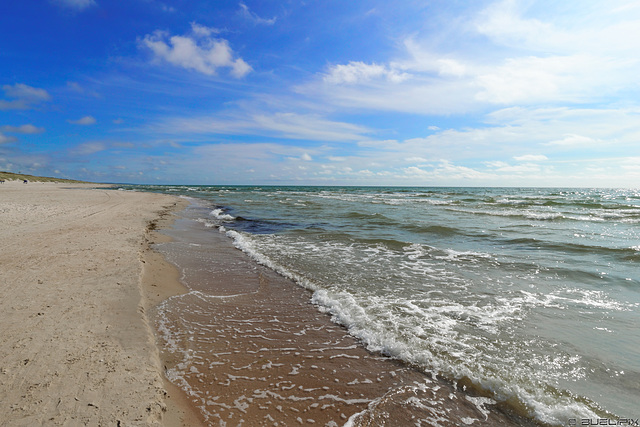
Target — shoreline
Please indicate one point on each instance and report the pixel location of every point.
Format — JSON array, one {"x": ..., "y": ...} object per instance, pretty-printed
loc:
[
  {"x": 77, "y": 346},
  {"x": 254, "y": 349},
  {"x": 89, "y": 270},
  {"x": 160, "y": 280}
]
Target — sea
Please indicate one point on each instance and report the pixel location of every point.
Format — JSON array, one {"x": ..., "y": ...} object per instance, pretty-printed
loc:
[{"x": 530, "y": 294}]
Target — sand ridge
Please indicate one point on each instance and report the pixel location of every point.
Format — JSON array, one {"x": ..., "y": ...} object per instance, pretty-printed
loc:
[{"x": 75, "y": 345}]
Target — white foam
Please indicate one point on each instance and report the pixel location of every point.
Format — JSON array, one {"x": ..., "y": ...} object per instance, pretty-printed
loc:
[
  {"x": 218, "y": 214},
  {"x": 243, "y": 242}
]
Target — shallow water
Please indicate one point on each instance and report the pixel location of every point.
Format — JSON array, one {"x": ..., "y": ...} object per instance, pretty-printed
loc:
[{"x": 529, "y": 294}]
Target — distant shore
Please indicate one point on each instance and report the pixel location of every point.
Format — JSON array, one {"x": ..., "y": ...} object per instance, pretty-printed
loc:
[
  {"x": 19, "y": 177},
  {"x": 76, "y": 347}
]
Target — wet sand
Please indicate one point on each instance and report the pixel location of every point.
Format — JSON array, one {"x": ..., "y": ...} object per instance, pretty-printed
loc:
[
  {"x": 248, "y": 348},
  {"x": 76, "y": 347}
]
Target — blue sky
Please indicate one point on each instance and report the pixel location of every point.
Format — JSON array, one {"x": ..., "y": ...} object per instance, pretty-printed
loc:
[{"x": 332, "y": 92}]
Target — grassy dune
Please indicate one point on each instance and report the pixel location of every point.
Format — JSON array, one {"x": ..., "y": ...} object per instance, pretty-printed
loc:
[{"x": 10, "y": 176}]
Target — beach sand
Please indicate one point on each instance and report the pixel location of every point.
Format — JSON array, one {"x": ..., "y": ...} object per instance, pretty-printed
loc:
[{"x": 75, "y": 344}]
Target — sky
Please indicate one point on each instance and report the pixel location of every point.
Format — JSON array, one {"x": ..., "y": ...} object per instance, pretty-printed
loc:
[{"x": 323, "y": 92}]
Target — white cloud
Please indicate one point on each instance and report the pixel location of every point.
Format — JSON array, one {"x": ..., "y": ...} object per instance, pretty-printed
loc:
[
  {"x": 244, "y": 10},
  {"x": 89, "y": 148},
  {"x": 523, "y": 168},
  {"x": 496, "y": 164},
  {"x": 595, "y": 27},
  {"x": 6, "y": 139},
  {"x": 77, "y": 88},
  {"x": 198, "y": 52},
  {"x": 202, "y": 30},
  {"x": 24, "y": 129},
  {"x": 359, "y": 72},
  {"x": 423, "y": 61},
  {"x": 292, "y": 125},
  {"x": 23, "y": 91},
  {"x": 572, "y": 140},
  {"x": 232, "y": 160},
  {"x": 517, "y": 58},
  {"x": 84, "y": 121},
  {"x": 502, "y": 22},
  {"x": 510, "y": 144},
  {"x": 531, "y": 158},
  {"x": 416, "y": 159},
  {"x": 240, "y": 68},
  {"x": 92, "y": 147},
  {"x": 446, "y": 171},
  {"x": 570, "y": 78},
  {"x": 13, "y": 105},
  {"x": 24, "y": 97},
  {"x": 282, "y": 125},
  {"x": 306, "y": 157}
]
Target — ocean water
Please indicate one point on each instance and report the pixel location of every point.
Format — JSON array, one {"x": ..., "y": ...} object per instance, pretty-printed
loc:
[{"x": 531, "y": 295}]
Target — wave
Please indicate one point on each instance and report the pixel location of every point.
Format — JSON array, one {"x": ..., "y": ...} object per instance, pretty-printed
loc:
[
  {"x": 439, "y": 230},
  {"x": 440, "y": 351},
  {"x": 369, "y": 217},
  {"x": 219, "y": 214},
  {"x": 630, "y": 216},
  {"x": 527, "y": 243}
]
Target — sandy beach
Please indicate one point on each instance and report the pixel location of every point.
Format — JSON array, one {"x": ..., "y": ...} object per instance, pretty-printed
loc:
[{"x": 76, "y": 347}]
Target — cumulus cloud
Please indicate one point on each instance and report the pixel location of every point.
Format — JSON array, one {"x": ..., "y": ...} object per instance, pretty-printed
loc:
[
  {"x": 445, "y": 170},
  {"x": 23, "y": 91},
  {"x": 198, "y": 51},
  {"x": 84, "y": 121},
  {"x": 4, "y": 139},
  {"x": 359, "y": 72},
  {"x": 23, "y": 97},
  {"x": 24, "y": 129},
  {"x": 415, "y": 159},
  {"x": 520, "y": 56}
]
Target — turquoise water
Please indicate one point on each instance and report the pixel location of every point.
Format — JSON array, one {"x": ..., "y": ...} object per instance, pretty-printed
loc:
[{"x": 530, "y": 294}]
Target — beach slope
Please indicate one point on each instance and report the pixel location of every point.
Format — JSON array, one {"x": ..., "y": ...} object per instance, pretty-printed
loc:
[{"x": 75, "y": 344}]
